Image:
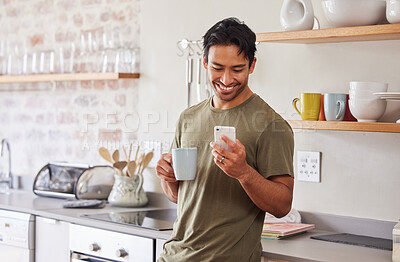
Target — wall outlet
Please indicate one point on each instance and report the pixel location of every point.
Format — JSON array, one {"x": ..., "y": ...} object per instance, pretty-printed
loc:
[{"x": 309, "y": 166}]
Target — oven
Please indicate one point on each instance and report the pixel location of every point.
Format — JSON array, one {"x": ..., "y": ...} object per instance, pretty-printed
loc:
[
  {"x": 75, "y": 257},
  {"x": 99, "y": 245}
]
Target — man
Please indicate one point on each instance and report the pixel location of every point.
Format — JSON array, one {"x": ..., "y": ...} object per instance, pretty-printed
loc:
[{"x": 221, "y": 212}]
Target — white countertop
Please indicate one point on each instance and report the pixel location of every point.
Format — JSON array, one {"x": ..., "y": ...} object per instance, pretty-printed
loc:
[
  {"x": 296, "y": 248},
  {"x": 302, "y": 248},
  {"x": 28, "y": 202}
]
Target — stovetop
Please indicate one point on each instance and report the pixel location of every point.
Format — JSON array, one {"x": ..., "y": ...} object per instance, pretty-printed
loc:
[{"x": 153, "y": 219}]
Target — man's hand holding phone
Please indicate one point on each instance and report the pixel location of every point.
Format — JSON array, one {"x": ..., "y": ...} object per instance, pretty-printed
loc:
[{"x": 231, "y": 158}]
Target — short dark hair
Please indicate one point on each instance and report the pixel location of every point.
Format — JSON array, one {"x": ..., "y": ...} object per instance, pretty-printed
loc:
[{"x": 231, "y": 31}]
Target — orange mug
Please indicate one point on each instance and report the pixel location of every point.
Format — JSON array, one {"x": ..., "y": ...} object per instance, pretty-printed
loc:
[{"x": 321, "y": 112}]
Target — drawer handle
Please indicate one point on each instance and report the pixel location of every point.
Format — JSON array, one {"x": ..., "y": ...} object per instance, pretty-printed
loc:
[
  {"x": 121, "y": 253},
  {"x": 94, "y": 247}
]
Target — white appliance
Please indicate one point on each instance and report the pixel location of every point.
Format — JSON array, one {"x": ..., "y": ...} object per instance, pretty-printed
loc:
[
  {"x": 17, "y": 236},
  {"x": 93, "y": 244}
]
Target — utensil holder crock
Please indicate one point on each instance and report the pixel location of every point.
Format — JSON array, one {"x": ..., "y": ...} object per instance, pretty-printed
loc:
[{"x": 128, "y": 191}]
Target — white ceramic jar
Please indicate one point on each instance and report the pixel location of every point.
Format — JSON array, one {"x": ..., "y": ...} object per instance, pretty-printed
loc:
[
  {"x": 128, "y": 191},
  {"x": 393, "y": 11},
  {"x": 297, "y": 15}
]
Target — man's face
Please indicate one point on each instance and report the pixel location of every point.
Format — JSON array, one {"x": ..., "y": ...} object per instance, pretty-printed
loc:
[{"x": 228, "y": 71}]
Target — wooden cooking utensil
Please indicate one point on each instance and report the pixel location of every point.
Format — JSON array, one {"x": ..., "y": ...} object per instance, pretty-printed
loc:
[
  {"x": 140, "y": 161},
  {"x": 137, "y": 151},
  {"x": 130, "y": 151},
  {"x": 131, "y": 168},
  {"x": 126, "y": 155},
  {"x": 115, "y": 156},
  {"x": 105, "y": 154},
  {"x": 146, "y": 160},
  {"x": 120, "y": 166}
]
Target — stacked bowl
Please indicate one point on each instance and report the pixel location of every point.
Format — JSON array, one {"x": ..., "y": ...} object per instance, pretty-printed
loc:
[
  {"x": 354, "y": 12},
  {"x": 363, "y": 104}
]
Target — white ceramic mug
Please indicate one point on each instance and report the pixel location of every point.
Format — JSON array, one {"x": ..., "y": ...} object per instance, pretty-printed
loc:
[
  {"x": 334, "y": 106},
  {"x": 184, "y": 163}
]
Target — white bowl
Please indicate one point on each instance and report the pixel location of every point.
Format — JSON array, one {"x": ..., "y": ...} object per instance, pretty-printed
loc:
[
  {"x": 374, "y": 87},
  {"x": 362, "y": 94},
  {"x": 341, "y": 13},
  {"x": 365, "y": 110}
]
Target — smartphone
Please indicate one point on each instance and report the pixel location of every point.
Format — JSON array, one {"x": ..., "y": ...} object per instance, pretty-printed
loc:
[{"x": 228, "y": 131}]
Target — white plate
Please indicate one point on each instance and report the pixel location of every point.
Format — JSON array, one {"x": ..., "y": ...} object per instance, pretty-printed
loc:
[
  {"x": 388, "y": 95},
  {"x": 389, "y": 98}
]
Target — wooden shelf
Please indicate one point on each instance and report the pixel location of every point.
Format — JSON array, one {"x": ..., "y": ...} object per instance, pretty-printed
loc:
[
  {"x": 65, "y": 77},
  {"x": 334, "y": 35},
  {"x": 345, "y": 126}
]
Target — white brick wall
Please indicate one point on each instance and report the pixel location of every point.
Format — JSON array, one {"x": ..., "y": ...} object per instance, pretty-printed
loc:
[{"x": 52, "y": 125}]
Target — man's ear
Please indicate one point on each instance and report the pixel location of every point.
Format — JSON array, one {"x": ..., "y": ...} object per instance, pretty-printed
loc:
[
  {"x": 205, "y": 64},
  {"x": 253, "y": 65}
]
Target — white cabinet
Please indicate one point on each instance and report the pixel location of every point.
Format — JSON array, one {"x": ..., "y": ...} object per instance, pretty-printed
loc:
[
  {"x": 159, "y": 247},
  {"x": 51, "y": 240},
  {"x": 17, "y": 232}
]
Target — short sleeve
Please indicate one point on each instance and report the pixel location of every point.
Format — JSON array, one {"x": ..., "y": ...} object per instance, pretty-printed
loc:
[{"x": 275, "y": 149}]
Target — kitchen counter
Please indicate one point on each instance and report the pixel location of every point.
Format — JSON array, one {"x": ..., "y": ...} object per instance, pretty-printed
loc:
[
  {"x": 28, "y": 202},
  {"x": 296, "y": 248},
  {"x": 302, "y": 248}
]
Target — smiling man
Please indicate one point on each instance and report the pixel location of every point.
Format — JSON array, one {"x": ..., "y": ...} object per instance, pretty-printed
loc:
[{"x": 221, "y": 211}]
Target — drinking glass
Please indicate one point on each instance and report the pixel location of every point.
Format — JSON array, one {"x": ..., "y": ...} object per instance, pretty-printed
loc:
[
  {"x": 26, "y": 63},
  {"x": 35, "y": 63},
  {"x": 66, "y": 58},
  {"x": 44, "y": 67},
  {"x": 14, "y": 59},
  {"x": 135, "y": 68},
  {"x": 3, "y": 59}
]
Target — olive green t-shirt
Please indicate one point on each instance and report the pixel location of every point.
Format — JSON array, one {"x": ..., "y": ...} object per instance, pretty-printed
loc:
[{"x": 216, "y": 219}]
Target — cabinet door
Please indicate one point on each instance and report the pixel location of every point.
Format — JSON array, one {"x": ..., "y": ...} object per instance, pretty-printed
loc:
[
  {"x": 51, "y": 240},
  {"x": 159, "y": 247}
]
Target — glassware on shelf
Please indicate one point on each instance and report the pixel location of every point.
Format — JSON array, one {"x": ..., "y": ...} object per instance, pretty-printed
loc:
[
  {"x": 100, "y": 50},
  {"x": 96, "y": 55},
  {"x": 14, "y": 58},
  {"x": 34, "y": 63},
  {"x": 60, "y": 66},
  {"x": 82, "y": 54},
  {"x": 46, "y": 62},
  {"x": 109, "y": 51},
  {"x": 27, "y": 63},
  {"x": 135, "y": 60},
  {"x": 66, "y": 58},
  {"x": 3, "y": 58}
]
